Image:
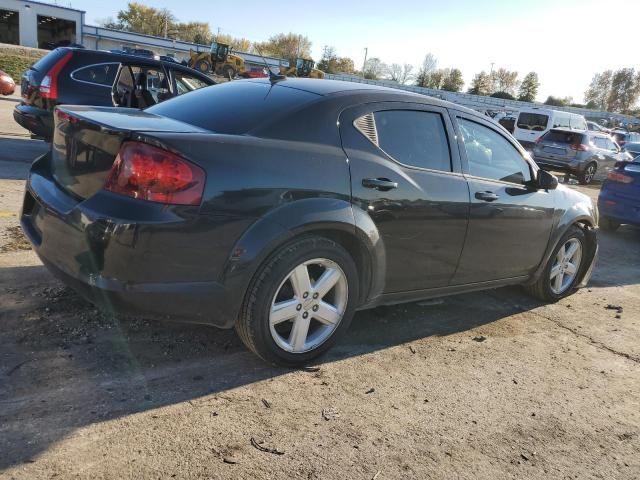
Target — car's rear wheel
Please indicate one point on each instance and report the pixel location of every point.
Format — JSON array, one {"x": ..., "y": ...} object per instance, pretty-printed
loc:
[
  {"x": 300, "y": 302},
  {"x": 608, "y": 224},
  {"x": 586, "y": 176},
  {"x": 564, "y": 268}
]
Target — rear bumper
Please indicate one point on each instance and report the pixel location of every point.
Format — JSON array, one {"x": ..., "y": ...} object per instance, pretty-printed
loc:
[
  {"x": 134, "y": 257},
  {"x": 618, "y": 208},
  {"x": 37, "y": 120},
  {"x": 559, "y": 165}
]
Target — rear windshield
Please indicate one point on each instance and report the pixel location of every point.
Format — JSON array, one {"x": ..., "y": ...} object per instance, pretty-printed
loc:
[
  {"x": 45, "y": 63},
  {"x": 533, "y": 121},
  {"x": 559, "y": 136},
  {"x": 234, "y": 107}
]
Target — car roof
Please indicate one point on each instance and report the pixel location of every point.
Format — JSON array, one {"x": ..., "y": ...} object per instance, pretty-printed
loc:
[{"x": 338, "y": 87}]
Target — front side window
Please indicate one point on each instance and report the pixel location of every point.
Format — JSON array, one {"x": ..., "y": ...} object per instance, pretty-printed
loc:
[
  {"x": 414, "y": 138},
  {"x": 490, "y": 155},
  {"x": 186, "y": 83}
]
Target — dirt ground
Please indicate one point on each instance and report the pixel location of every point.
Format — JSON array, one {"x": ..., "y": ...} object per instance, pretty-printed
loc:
[{"x": 488, "y": 385}]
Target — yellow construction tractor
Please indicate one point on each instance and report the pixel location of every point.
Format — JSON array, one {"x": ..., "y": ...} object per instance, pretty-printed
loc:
[
  {"x": 218, "y": 60},
  {"x": 304, "y": 67}
]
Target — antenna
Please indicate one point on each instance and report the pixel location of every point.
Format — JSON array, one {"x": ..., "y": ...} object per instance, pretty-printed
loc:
[{"x": 273, "y": 77}]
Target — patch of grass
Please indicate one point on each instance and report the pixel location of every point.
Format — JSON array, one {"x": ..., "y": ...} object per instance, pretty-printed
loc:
[
  {"x": 15, "y": 65},
  {"x": 16, "y": 240}
]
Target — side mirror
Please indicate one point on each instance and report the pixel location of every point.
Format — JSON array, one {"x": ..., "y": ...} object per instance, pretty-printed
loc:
[{"x": 546, "y": 181}]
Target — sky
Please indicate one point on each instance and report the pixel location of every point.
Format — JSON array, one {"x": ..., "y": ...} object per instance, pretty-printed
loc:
[{"x": 565, "y": 41}]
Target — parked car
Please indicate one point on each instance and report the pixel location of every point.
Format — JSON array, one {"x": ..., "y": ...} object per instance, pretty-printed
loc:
[
  {"x": 282, "y": 207},
  {"x": 7, "y": 85},
  {"x": 633, "y": 148},
  {"x": 533, "y": 123},
  {"x": 508, "y": 123},
  {"x": 90, "y": 77},
  {"x": 619, "y": 199},
  {"x": 595, "y": 127},
  {"x": 622, "y": 137},
  {"x": 587, "y": 155}
]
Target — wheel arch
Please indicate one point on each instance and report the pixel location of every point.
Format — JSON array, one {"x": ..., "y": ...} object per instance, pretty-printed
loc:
[
  {"x": 579, "y": 215},
  {"x": 327, "y": 217}
]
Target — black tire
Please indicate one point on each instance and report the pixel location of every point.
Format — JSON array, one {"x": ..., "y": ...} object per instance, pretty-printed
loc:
[
  {"x": 253, "y": 323},
  {"x": 608, "y": 224},
  {"x": 203, "y": 66},
  {"x": 542, "y": 288},
  {"x": 585, "y": 177}
]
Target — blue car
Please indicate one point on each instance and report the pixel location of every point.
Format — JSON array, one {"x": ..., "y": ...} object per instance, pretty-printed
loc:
[{"x": 619, "y": 200}]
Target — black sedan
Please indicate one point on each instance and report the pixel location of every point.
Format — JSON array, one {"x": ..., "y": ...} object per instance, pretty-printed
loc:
[
  {"x": 77, "y": 76},
  {"x": 282, "y": 207}
]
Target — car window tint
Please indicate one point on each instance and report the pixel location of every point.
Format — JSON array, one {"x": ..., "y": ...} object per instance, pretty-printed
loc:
[
  {"x": 186, "y": 83},
  {"x": 609, "y": 145},
  {"x": 414, "y": 138},
  {"x": 562, "y": 136},
  {"x": 101, "y": 74},
  {"x": 490, "y": 155},
  {"x": 600, "y": 143},
  {"x": 533, "y": 121}
]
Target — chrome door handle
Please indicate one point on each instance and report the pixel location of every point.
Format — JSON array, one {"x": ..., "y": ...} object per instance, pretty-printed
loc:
[{"x": 382, "y": 184}]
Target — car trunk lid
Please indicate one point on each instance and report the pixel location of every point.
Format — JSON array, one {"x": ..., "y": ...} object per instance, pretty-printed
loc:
[{"x": 86, "y": 142}]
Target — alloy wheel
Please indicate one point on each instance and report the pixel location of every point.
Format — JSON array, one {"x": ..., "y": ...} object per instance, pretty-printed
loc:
[
  {"x": 566, "y": 265},
  {"x": 589, "y": 173},
  {"x": 308, "y": 305}
]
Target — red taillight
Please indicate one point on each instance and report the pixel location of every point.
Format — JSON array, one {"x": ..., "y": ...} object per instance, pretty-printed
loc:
[
  {"x": 615, "y": 176},
  {"x": 150, "y": 173},
  {"x": 49, "y": 84},
  {"x": 579, "y": 147}
]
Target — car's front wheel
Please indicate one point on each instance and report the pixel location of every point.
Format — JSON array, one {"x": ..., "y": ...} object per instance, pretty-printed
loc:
[
  {"x": 300, "y": 301},
  {"x": 563, "y": 269}
]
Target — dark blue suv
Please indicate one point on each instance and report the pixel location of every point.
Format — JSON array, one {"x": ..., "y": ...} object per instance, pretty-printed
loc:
[{"x": 619, "y": 200}]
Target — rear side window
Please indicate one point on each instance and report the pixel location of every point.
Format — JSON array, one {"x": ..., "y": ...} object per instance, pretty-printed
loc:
[
  {"x": 234, "y": 107},
  {"x": 533, "y": 121},
  {"x": 578, "y": 123},
  {"x": 558, "y": 136},
  {"x": 561, "y": 120},
  {"x": 101, "y": 74},
  {"x": 414, "y": 138}
]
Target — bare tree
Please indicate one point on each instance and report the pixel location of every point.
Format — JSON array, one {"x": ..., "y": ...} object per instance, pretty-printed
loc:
[
  {"x": 400, "y": 73},
  {"x": 375, "y": 69}
]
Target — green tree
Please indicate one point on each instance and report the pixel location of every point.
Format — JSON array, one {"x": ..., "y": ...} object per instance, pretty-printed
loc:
[
  {"x": 140, "y": 18},
  {"x": 503, "y": 80},
  {"x": 505, "y": 95},
  {"x": 529, "y": 87},
  {"x": 345, "y": 65},
  {"x": 555, "y": 101},
  {"x": 599, "y": 90},
  {"x": 481, "y": 84},
  {"x": 454, "y": 81},
  {"x": 625, "y": 88},
  {"x": 289, "y": 46}
]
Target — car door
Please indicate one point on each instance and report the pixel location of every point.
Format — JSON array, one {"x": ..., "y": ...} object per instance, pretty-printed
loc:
[
  {"x": 509, "y": 222},
  {"x": 406, "y": 176}
]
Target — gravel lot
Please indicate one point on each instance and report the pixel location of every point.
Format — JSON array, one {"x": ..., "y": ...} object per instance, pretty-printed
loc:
[{"x": 486, "y": 385}]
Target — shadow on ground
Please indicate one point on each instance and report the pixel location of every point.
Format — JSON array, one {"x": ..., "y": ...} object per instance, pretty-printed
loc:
[{"x": 64, "y": 365}]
